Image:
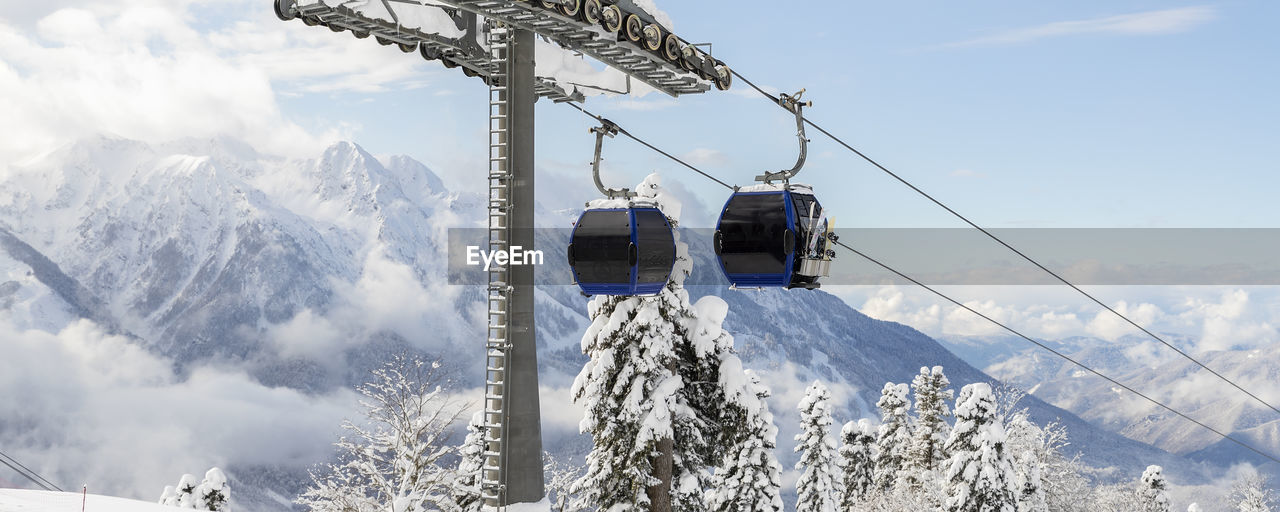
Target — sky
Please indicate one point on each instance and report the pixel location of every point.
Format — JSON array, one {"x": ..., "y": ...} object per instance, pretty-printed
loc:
[
  {"x": 1102, "y": 114},
  {"x": 1084, "y": 114}
]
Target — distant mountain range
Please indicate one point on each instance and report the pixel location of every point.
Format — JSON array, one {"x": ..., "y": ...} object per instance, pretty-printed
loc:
[
  {"x": 1157, "y": 371},
  {"x": 306, "y": 273}
]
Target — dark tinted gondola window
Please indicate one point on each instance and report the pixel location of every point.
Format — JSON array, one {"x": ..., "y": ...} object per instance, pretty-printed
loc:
[
  {"x": 600, "y": 246},
  {"x": 805, "y": 205},
  {"x": 656, "y": 245},
  {"x": 752, "y": 229}
]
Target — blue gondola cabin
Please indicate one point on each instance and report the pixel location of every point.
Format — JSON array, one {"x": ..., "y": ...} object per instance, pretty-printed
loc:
[
  {"x": 622, "y": 251},
  {"x": 772, "y": 236}
]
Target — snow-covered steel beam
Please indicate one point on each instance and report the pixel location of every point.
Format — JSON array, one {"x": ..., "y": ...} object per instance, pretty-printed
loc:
[
  {"x": 570, "y": 32},
  {"x": 659, "y": 59},
  {"x": 451, "y": 51}
]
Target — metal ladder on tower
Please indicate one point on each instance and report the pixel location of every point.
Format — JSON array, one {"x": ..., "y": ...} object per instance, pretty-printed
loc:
[{"x": 498, "y": 343}]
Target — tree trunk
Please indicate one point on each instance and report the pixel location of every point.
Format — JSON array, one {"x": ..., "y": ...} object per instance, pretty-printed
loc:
[
  {"x": 660, "y": 495},
  {"x": 663, "y": 466}
]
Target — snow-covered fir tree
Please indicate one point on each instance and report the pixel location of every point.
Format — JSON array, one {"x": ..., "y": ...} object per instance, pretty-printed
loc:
[
  {"x": 628, "y": 389},
  {"x": 857, "y": 444},
  {"x": 931, "y": 429},
  {"x": 169, "y": 496},
  {"x": 1031, "y": 497},
  {"x": 1153, "y": 490},
  {"x": 750, "y": 476},
  {"x": 212, "y": 493},
  {"x": 979, "y": 475},
  {"x": 182, "y": 495},
  {"x": 894, "y": 436},
  {"x": 660, "y": 390},
  {"x": 1194, "y": 507},
  {"x": 392, "y": 460},
  {"x": 818, "y": 489},
  {"x": 1250, "y": 494},
  {"x": 465, "y": 490}
]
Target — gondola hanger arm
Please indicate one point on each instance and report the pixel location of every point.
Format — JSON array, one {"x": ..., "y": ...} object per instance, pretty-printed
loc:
[
  {"x": 606, "y": 128},
  {"x": 792, "y": 103}
]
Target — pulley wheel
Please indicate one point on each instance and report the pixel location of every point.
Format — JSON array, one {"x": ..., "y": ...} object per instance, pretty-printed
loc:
[
  {"x": 652, "y": 37},
  {"x": 282, "y": 9},
  {"x": 591, "y": 11},
  {"x": 671, "y": 48},
  {"x": 634, "y": 29},
  {"x": 571, "y": 9},
  {"x": 724, "y": 77},
  {"x": 611, "y": 18}
]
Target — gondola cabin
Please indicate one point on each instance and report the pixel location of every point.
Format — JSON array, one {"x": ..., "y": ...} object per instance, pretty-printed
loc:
[
  {"x": 772, "y": 236},
  {"x": 622, "y": 251}
]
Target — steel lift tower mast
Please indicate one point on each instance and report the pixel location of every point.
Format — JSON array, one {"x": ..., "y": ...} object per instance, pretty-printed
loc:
[{"x": 500, "y": 51}]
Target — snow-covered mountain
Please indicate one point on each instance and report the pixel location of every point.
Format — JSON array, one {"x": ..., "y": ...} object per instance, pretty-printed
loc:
[
  {"x": 302, "y": 274},
  {"x": 1160, "y": 373}
]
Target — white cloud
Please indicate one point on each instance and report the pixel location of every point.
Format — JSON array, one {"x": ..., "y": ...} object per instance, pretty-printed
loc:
[
  {"x": 157, "y": 71},
  {"x": 1108, "y": 325},
  {"x": 890, "y": 303},
  {"x": 705, "y": 156},
  {"x": 387, "y": 297},
  {"x": 1205, "y": 318},
  {"x": 1231, "y": 321},
  {"x": 1166, "y": 21},
  {"x": 80, "y": 401}
]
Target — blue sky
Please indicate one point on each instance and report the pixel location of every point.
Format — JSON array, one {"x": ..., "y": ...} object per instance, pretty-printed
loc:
[{"x": 1087, "y": 114}]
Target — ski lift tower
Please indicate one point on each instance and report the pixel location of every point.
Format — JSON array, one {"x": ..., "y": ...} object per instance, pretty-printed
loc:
[{"x": 493, "y": 40}]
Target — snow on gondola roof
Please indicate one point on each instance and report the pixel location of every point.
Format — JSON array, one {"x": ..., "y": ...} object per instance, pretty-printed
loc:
[{"x": 777, "y": 187}]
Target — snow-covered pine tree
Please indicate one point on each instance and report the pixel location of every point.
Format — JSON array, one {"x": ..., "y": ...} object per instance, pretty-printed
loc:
[
  {"x": 169, "y": 496},
  {"x": 1250, "y": 494},
  {"x": 857, "y": 442},
  {"x": 979, "y": 475},
  {"x": 656, "y": 391},
  {"x": 730, "y": 413},
  {"x": 749, "y": 476},
  {"x": 894, "y": 436},
  {"x": 931, "y": 429},
  {"x": 392, "y": 461},
  {"x": 214, "y": 492},
  {"x": 1153, "y": 490},
  {"x": 465, "y": 489},
  {"x": 1195, "y": 507},
  {"x": 183, "y": 495},
  {"x": 628, "y": 384},
  {"x": 1031, "y": 496},
  {"x": 818, "y": 488}
]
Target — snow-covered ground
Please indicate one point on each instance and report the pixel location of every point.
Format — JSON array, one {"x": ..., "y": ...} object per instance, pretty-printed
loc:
[{"x": 21, "y": 500}]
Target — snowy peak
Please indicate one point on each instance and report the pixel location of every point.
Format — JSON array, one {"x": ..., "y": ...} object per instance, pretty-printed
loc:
[{"x": 198, "y": 245}]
